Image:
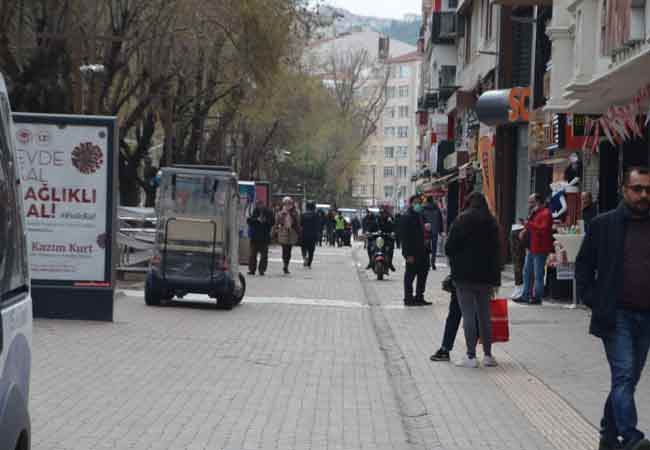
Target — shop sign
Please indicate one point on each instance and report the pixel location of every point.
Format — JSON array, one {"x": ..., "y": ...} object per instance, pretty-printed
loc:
[
  {"x": 502, "y": 107},
  {"x": 486, "y": 157},
  {"x": 555, "y": 132}
]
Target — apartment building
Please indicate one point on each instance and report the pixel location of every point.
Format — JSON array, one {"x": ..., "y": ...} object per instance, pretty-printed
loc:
[
  {"x": 388, "y": 161},
  {"x": 388, "y": 158}
]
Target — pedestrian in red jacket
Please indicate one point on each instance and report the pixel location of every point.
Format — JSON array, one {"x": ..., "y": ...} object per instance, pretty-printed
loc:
[{"x": 539, "y": 235}]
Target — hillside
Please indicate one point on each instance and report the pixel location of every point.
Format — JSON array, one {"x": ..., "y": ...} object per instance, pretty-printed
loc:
[{"x": 344, "y": 21}]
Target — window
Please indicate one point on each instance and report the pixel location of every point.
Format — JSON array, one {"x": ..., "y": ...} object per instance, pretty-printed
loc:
[
  {"x": 402, "y": 152},
  {"x": 389, "y": 152},
  {"x": 13, "y": 265},
  {"x": 403, "y": 132},
  {"x": 389, "y": 171},
  {"x": 402, "y": 171},
  {"x": 452, "y": 4},
  {"x": 447, "y": 76},
  {"x": 404, "y": 71},
  {"x": 360, "y": 190},
  {"x": 486, "y": 22},
  {"x": 403, "y": 91},
  {"x": 403, "y": 111},
  {"x": 389, "y": 112},
  {"x": 390, "y": 92},
  {"x": 389, "y": 131},
  {"x": 389, "y": 191}
]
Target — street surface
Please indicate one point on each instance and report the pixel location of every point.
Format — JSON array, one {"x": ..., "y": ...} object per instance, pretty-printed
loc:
[{"x": 326, "y": 358}]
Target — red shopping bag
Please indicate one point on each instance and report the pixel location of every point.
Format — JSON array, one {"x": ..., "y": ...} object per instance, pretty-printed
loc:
[{"x": 499, "y": 318}]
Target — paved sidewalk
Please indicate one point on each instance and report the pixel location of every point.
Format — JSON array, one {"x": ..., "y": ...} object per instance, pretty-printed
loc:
[
  {"x": 547, "y": 393},
  {"x": 321, "y": 359}
]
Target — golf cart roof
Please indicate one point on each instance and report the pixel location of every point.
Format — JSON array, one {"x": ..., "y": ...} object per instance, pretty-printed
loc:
[{"x": 220, "y": 171}]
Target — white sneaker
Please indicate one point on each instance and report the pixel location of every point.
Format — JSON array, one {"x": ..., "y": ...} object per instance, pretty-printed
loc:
[
  {"x": 518, "y": 292},
  {"x": 489, "y": 361},
  {"x": 467, "y": 362}
]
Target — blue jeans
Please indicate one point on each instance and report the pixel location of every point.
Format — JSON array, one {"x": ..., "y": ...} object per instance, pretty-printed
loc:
[
  {"x": 534, "y": 263},
  {"x": 627, "y": 350}
]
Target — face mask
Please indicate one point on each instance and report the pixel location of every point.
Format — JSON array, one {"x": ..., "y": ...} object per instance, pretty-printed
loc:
[{"x": 417, "y": 208}]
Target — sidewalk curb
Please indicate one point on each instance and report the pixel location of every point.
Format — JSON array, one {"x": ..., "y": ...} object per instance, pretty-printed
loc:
[{"x": 418, "y": 428}]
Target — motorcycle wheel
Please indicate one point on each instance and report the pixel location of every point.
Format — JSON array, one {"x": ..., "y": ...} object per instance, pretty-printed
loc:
[{"x": 379, "y": 270}]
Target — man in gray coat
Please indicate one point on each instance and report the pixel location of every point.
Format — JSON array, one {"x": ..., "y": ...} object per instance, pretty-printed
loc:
[{"x": 432, "y": 218}]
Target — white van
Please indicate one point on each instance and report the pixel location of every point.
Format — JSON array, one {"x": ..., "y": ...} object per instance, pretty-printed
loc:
[{"x": 15, "y": 301}]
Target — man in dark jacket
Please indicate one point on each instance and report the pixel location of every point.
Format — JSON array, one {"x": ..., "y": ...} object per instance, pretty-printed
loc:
[
  {"x": 433, "y": 218},
  {"x": 311, "y": 225},
  {"x": 369, "y": 224},
  {"x": 612, "y": 279},
  {"x": 261, "y": 223},
  {"x": 386, "y": 224},
  {"x": 415, "y": 253}
]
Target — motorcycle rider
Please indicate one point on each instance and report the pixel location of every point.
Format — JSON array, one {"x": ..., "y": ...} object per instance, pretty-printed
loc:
[{"x": 383, "y": 224}]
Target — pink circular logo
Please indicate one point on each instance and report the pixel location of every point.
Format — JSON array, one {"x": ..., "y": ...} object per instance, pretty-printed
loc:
[{"x": 87, "y": 158}]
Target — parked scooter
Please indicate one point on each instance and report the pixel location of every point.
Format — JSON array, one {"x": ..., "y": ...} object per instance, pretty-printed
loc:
[{"x": 381, "y": 251}]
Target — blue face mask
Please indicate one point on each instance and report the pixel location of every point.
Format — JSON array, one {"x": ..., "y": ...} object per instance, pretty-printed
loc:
[{"x": 417, "y": 208}]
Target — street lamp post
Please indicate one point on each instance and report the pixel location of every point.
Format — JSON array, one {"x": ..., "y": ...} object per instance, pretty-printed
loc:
[{"x": 373, "y": 185}]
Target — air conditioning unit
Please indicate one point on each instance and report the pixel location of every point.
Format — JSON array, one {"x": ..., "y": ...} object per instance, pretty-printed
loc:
[{"x": 637, "y": 25}]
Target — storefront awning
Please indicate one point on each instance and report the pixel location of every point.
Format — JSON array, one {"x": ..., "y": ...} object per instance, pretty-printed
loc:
[{"x": 443, "y": 181}]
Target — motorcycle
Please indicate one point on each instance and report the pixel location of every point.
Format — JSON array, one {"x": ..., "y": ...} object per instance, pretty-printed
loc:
[{"x": 382, "y": 245}]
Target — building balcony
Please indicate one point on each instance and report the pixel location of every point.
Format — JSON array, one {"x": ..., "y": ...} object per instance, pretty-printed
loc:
[{"x": 443, "y": 28}]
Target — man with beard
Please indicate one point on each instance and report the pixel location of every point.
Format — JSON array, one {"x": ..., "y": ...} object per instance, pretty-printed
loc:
[{"x": 612, "y": 279}]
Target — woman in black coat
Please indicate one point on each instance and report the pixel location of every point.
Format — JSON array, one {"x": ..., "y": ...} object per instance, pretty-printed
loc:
[{"x": 475, "y": 259}]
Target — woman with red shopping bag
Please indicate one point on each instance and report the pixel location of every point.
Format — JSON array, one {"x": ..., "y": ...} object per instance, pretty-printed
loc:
[{"x": 474, "y": 252}]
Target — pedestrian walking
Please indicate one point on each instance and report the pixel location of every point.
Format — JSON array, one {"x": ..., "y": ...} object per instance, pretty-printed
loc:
[
  {"x": 612, "y": 279},
  {"x": 287, "y": 225},
  {"x": 321, "y": 231},
  {"x": 589, "y": 209},
  {"x": 310, "y": 225},
  {"x": 538, "y": 232},
  {"x": 452, "y": 323},
  {"x": 432, "y": 217},
  {"x": 339, "y": 228},
  {"x": 331, "y": 225},
  {"x": 518, "y": 249},
  {"x": 356, "y": 226},
  {"x": 261, "y": 224},
  {"x": 398, "y": 230},
  {"x": 475, "y": 260},
  {"x": 415, "y": 253}
]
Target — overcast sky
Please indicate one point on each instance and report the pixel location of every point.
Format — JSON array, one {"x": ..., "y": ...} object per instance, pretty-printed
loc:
[{"x": 394, "y": 9}]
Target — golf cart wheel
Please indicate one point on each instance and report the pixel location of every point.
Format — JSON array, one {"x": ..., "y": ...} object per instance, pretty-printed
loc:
[
  {"x": 239, "y": 295},
  {"x": 152, "y": 292},
  {"x": 226, "y": 301},
  {"x": 379, "y": 269}
]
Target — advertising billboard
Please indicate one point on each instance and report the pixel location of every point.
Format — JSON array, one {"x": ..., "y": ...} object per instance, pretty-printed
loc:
[{"x": 67, "y": 177}]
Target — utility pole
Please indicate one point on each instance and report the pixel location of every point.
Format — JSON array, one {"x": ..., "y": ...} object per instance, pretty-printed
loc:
[
  {"x": 76, "y": 38},
  {"x": 373, "y": 185}
]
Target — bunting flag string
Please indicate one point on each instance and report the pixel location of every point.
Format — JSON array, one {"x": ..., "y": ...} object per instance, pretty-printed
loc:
[{"x": 619, "y": 123}]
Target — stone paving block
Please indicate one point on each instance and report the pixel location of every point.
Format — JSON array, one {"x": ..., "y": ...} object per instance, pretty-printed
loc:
[{"x": 299, "y": 374}]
